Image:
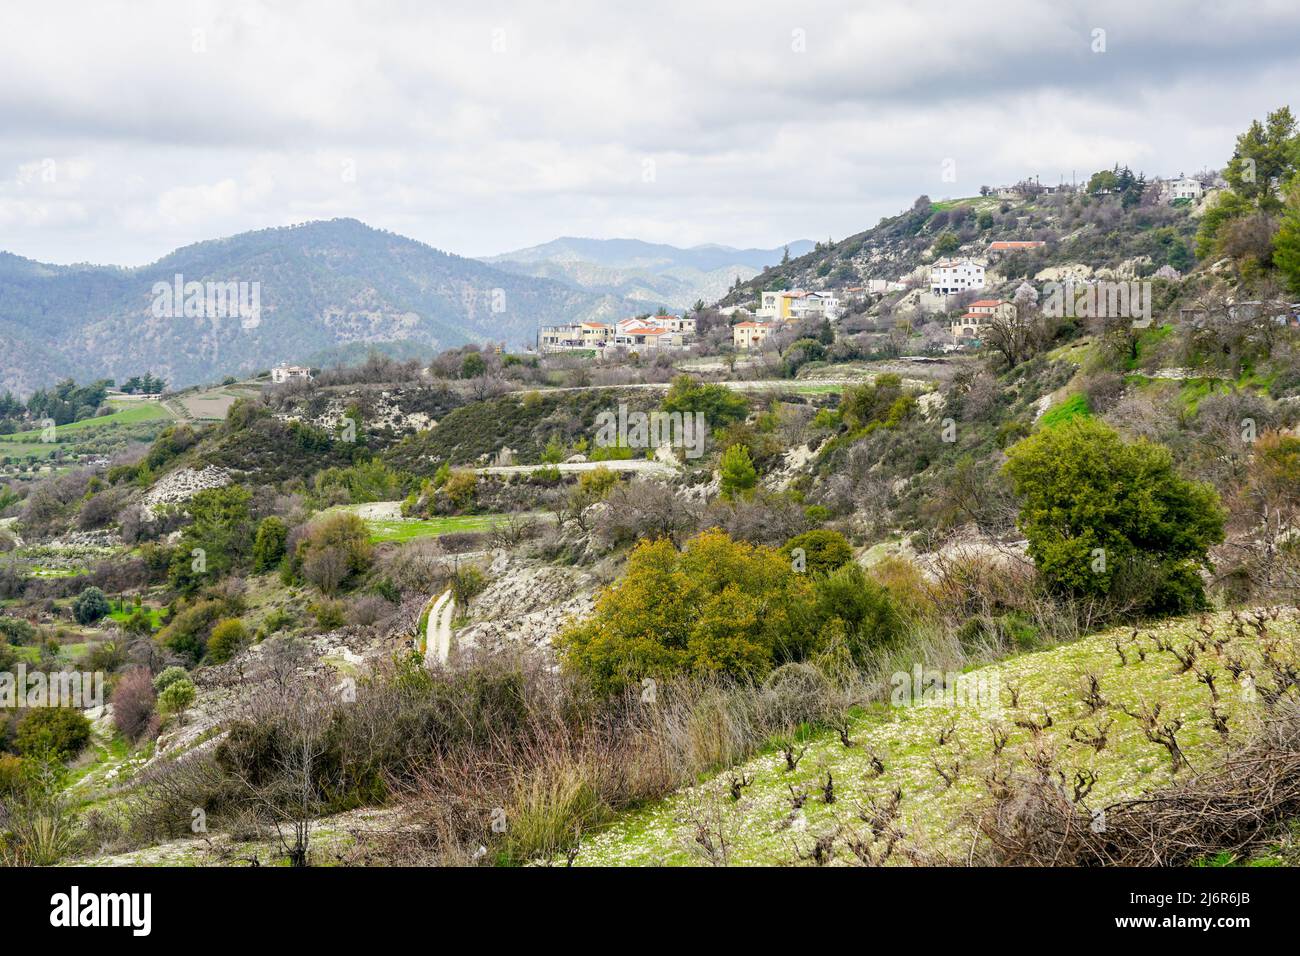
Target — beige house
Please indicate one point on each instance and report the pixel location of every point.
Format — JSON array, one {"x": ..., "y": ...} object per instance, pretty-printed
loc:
[
  {"x": 978, "y": 316},
  {"x": 748, "y": 335}
]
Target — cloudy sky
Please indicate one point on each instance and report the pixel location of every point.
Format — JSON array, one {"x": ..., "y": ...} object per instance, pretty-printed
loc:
[{"x": 130, "y": 128}]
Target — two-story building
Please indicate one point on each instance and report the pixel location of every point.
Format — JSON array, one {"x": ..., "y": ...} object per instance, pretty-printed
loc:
[
  {"x": 658, "y": 331},
  {"x": 748, "y": 335},
  {"x": 290, "y": 373},
  {"x": 793, "y": 304},
  {"x": 574, "y": 336},
  {"x": 951, "y": 276},
  {"x": 1184, "y": 187},
  {"x": 979, "y": 314}
]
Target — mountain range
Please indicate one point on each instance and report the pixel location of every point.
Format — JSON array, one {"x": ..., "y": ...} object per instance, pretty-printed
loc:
[
  {"x": 325, "y": 289},
  {"x": 644, "y": 272}
]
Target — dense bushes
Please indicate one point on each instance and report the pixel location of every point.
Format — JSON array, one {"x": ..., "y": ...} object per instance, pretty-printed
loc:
[
  {"x": 334, "y": 550},
  {"x": 228, "y": 638},
  {"x": 721, "y": 607},
  {"x": 60, "y": 732},
  {"x": 218, "y": 538}
]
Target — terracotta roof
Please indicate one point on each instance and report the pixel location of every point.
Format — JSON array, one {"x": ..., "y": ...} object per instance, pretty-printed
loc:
[
  {"x": 1016, "y": 244},
  {"x": 987, "y": 303}
]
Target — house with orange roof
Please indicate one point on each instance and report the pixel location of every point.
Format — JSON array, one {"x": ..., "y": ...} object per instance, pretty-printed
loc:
[{"x": 978, "y": 316}]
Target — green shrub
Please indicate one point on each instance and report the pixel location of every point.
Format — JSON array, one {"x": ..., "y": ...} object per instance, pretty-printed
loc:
[
  {"x": 738, "y": 475},
  {"x": 1105, "y": 518},
  {"x": 168, "y": 677},
  {"x": 12, "y": 776},
  {"x": 821, "y": 550},
  {"x": 89, "y": 606},
  {"x": 187, "y": 633},
  {"x": 329, "y": 614},
  {"x": 721, "y": 405},
  {"x": 268, "y": 547},
  {"x": 176, "y": 698},
  {"x": 61, "y": 732},
  {"x": 718, "y": 607},
  {"x": 228, "y": 638},
  {"x": 16, "y": 631}
]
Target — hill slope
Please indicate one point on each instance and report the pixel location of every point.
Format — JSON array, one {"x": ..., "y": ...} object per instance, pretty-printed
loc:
[
  {"x": 1096, "y": 231},
  {"x": 918, "y": 743}
]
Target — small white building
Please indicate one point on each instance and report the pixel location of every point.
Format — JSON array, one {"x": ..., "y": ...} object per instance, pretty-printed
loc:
[
  {"x": 950, "y": 276},
  {"x": 290, "y": 373},
  {"x": 1184, "y": 188}
]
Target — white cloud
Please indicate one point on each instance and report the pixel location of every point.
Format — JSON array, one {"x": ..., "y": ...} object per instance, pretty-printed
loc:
[{"x": 507, "y": 124}]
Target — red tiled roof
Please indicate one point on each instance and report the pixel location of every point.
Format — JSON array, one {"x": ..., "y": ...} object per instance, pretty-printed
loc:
[
  {"x": 986, "y": 303},
  {"x": 1016, "y": 243}
]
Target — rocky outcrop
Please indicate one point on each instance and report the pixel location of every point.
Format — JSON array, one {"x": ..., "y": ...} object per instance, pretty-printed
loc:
[
  {"x": 184, "y": 484},
  {"x": 527, "y": 603}
]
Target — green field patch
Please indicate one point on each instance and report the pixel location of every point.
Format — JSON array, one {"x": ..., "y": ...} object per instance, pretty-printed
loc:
[
  {"x": 130, "y": 415},
  {"x": 1076, "y": 406},
  {"x": 405, "y": 529},
  {"x": 392, "y": 527}
]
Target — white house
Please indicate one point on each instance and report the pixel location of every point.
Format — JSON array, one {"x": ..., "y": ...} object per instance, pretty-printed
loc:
[
  {"x": 1184, "y": 188},
  {"x": 574, "y": 336},
  {"x": 950, "y": 276},
  {"x": 289, "y": 373}
]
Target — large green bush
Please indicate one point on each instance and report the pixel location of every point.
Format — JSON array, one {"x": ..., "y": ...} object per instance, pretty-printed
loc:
[
  {"x": 1109, "y": 519},
  {"x": 89, "y": 606},
  {"x": 60, "y": 732}
]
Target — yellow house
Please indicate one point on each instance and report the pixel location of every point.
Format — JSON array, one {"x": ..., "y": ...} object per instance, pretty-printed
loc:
[{"x": 776, "y": 306}]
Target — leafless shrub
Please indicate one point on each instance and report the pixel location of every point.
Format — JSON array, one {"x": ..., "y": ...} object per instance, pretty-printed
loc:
[
  {"x": 1234, "y": 809},
  {"x": 133, "y": 702}
]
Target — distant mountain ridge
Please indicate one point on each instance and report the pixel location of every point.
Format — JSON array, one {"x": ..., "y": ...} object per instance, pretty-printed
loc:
[
  {"x": 325, "y": 288},
  {"x": 645, "y": 272}
]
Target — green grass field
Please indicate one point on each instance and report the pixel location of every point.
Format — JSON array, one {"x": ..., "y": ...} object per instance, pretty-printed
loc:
[
  {"x": 129, "y": 415},
  {"x": 384, "y": 529},
  {"x": 100, "y": 435},
  {"x": 1076, "y": 406},
  {"x": 155, "y": 615},
  {"x": 405, "y": 529}
]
